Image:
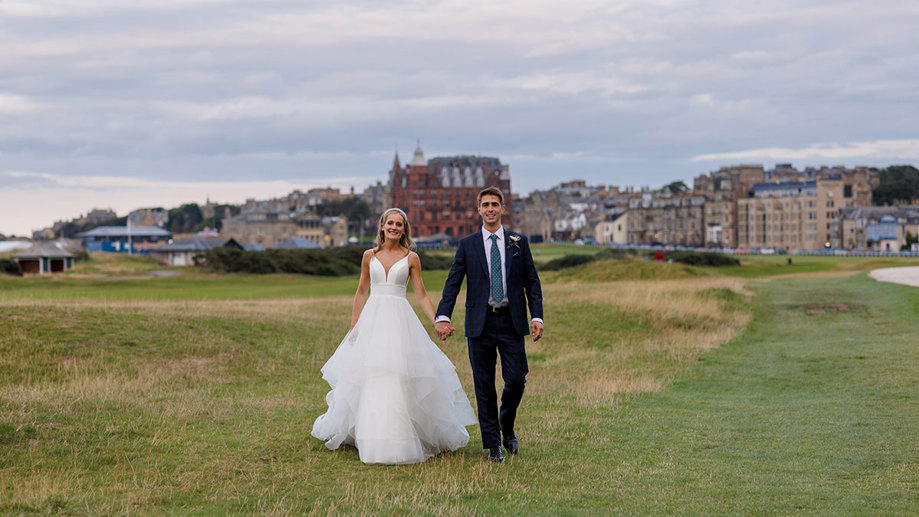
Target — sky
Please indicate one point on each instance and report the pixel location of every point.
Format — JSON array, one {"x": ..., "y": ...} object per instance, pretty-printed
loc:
[{"x": 123, "y": 105}]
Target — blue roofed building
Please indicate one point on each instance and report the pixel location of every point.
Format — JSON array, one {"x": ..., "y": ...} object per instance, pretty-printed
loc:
[{"x": 124, "y": 239}]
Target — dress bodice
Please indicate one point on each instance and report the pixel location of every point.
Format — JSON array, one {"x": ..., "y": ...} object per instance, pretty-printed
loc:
[{"x": 391, "y": 283}]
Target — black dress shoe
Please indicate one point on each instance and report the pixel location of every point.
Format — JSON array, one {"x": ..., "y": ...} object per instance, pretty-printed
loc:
[
  {"x": 494, "y": 455},
  {"x": 510, "y": 443}
]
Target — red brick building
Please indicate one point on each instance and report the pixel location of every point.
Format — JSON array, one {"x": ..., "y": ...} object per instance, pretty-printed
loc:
[{"x": 439, "y": 195}]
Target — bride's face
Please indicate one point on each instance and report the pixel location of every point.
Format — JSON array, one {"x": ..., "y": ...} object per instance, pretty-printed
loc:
[{"x": 393, "y": 227}]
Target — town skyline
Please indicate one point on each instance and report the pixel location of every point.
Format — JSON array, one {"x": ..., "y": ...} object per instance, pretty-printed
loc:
[
  {"x": 251, "y": 189},
  {"x": 131, "y": 104}
]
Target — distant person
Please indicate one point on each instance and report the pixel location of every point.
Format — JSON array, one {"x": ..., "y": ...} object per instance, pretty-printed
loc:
[
  {"x": 659, "y": 256},
  {"x": 395, "y": 396},
  {"x": 501, "y": 281}
]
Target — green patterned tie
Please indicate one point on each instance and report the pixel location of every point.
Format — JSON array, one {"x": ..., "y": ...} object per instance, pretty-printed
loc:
[{"x": 497, "y": 286}]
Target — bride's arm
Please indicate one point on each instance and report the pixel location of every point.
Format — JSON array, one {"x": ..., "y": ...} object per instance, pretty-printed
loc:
[
  {"x": 363, "y": 286},
  {"x": 414, "y": 269}
]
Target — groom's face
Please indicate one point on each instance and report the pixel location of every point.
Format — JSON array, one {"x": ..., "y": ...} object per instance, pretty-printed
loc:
[{"x": 491, "y": 209}]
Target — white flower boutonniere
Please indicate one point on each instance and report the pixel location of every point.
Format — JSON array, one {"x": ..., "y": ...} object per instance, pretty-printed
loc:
[{"x": 513, "y": 240}]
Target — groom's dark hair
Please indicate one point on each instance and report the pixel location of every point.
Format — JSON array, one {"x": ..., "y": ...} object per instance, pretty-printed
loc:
[{"x": 490, "y": 191}]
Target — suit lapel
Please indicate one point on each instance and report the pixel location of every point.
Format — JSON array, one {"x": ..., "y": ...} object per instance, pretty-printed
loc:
[{"x": 479, "y": 247}]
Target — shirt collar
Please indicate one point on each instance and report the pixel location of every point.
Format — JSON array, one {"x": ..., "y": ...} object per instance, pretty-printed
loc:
[{"x": 487, "y": 234}]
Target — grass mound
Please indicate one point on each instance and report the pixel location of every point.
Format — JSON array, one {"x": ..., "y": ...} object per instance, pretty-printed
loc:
[{"x": 612, "y": 270}]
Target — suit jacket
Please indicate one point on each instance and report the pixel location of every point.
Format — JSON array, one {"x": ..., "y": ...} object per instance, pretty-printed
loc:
[{"x": 523, "y": 286}]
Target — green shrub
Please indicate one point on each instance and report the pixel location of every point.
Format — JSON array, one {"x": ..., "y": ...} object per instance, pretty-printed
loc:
[
  {"x": 568, "y": 261},
  {"x": 434, "y": 261},
  {"x": 304, "y": 262},
  {"x": 695, "y": 258},
  {"x": 350, "y": 254},
  {"x": 341, "y": 261},
  {"x": 10, "y": 267}
]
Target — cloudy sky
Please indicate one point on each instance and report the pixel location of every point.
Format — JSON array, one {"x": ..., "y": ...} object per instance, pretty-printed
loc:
[{"x": 121, "y": 105}]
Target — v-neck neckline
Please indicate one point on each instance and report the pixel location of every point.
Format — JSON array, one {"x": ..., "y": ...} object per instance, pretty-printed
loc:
[{"x": 386, "y": 271}]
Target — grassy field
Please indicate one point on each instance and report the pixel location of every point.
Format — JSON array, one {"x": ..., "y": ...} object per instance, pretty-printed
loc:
[{"x": 687, "y": 391}]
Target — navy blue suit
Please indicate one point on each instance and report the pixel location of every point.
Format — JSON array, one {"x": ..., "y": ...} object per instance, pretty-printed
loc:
[{"x": 490, "y": 332}]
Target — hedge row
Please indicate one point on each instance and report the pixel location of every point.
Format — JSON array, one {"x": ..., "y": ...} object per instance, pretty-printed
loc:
[
  {"x": 691, "y": 258},
  {"x": 10, "y": 267},
  {"x": 339, "y": 261},
  {"x": 695, "y": 258}
]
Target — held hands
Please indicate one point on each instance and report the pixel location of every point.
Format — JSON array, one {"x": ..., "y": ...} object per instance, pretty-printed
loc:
[
  {"x": 536, "y": 330},
  {"x": 444, "y": 329}
]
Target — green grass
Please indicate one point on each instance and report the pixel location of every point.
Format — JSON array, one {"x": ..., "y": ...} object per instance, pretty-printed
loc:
[
  {"x": 808, "y": 412},
  {"x": 195, "y": 394},
  {"x": 772, "y": 265}
]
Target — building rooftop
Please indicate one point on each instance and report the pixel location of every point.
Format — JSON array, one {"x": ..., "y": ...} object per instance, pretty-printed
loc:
[
  {"x": 783, "y": 188},
  {"x": 43, "y": 249},
  {"x": 122, "y": 231},
  {"x": 296, "y": 243},
  {"x": 193, "y": 244}
]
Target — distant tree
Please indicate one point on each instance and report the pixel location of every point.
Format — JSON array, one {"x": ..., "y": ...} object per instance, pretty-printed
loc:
[
  {"x": 899, "y": 184},
  {"x": 70, "y": 229},
  {"x": 184, "y": 219},
  {"x": 354, "y": 208},
  {"x": 677, "y": 187},
  {"x": 216, "y": 222},
  {"x": 910, "y": 240}
]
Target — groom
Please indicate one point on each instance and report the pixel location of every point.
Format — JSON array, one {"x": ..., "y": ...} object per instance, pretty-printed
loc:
[{"x": 501, "y": 281}]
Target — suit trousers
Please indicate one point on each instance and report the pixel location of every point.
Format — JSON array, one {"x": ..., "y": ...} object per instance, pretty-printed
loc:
[{"x": 498, "y": 337}]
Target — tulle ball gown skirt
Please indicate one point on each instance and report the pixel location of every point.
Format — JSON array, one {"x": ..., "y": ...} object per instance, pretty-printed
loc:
[{"x": 395, "y": 396}]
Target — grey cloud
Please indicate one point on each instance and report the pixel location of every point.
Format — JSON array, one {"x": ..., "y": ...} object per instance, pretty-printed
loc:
[{"x": 288, "y": 89}]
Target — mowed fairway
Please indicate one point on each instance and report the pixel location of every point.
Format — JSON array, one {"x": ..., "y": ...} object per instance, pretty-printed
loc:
[{"x": 691, "y": 393}]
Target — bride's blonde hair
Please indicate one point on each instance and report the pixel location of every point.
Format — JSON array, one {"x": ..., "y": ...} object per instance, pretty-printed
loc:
[{"x": 406, "y": 240}]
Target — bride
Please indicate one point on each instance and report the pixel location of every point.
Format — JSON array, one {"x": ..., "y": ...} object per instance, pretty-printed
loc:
[{"x": 395, "y": 396}]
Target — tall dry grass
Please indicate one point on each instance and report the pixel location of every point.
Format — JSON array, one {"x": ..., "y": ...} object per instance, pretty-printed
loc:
[{"x": 633, "y": 337}]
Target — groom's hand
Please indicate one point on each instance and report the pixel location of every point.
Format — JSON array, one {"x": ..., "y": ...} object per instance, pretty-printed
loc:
[
  {"x": 444, "y": 329},
  {"x": 536, "y": 330}
]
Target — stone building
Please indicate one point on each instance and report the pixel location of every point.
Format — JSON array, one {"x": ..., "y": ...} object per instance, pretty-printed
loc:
[
  {"x": 439, "y": 195},
  {"x": 268, "y": 228},
  {"x": 296, "y": 201},
  {"x": 614, "y": 230},
  {"x": 801, "y": 214},
  {"x": 722, "y": 189},
  {"x": 378, "y": 200},
  {"x": 882, "y": 228},
  {"x": 665, "y": 218},
  {"x": 149, "y": 217},
  {"x": 780, "y": 215}
]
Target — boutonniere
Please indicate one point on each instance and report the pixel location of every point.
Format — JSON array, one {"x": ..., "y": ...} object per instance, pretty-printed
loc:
[{"x": 513, "y": 240}]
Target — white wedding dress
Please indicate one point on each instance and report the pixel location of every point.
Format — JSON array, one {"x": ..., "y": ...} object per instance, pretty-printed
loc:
[{"x": 395, "y": 395}]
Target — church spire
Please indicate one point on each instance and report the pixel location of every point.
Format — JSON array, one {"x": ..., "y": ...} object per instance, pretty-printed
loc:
[{"x": 418, "y": 158}]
